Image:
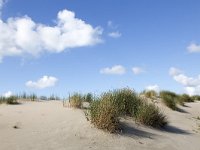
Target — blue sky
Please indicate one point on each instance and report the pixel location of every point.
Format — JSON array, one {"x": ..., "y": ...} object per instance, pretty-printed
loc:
[{"x": 106, "y": 45}]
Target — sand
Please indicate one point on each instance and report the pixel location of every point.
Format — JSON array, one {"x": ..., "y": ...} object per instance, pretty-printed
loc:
[{"x": 50, "y": 126}]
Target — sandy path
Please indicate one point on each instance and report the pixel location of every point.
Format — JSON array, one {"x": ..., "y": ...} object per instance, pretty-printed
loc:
[{"x": 49, "y": 126}]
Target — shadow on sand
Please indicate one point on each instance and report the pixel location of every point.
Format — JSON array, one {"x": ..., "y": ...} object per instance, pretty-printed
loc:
[
  {"x": 135, "y": 132},
  {"x": 175, "y": 130},
  {"x": 181, "y": 110}
]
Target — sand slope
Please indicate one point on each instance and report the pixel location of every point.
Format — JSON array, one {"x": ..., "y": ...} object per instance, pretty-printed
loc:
[{"x": 50, "y": 126}]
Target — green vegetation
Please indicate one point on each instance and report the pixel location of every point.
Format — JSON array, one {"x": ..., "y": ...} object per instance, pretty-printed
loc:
[
  {"x": 196, "y": 98},
  {"x": 104, "y": 114},
  {"x": 185, "y": 98},
  {"x": 150, "y": 115},
  {"x": 88, "y": 97},
  {"x": 169, "y": 99},
  {"x": 76, "y": 100},
  {"x": 106, "y": 111},
  {"x": 150, "y": 94},
  {"x": 12, "y": 100}
]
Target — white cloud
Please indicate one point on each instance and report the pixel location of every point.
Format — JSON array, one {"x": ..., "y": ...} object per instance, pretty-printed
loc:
[
  {"x": 7, "y": 94},
  {"x": 194, "y": 48},
  {"x": 116, "y": 34},
  {"x": 154, "y": 87},
  {"x": 193, "y": 90},
  {"x": 44, "y": 82},
  {"x": 137, "y": 70},
  {"x": 22, "y": 36},
  {"x": 117, "y": 69},
  {"x": 191, "y": 85},
  {"x": 174, "y": 71}
]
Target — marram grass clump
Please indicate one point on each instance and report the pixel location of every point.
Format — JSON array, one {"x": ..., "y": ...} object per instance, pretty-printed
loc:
[
  {"x": 150, "y": 115},
  {"x": 150, "y": 94},
  {"x": 110, "y": 106},
  {"x": 12, "y": 100},
  {"x": 169, "y": 99},
  {"x": 185, "y": 98},
  {"x": 126, "y": 100},
  {"x": 196, "y": 98},
  {"x": 104, "y": 114},
  {"x": 76, "y": 100}
]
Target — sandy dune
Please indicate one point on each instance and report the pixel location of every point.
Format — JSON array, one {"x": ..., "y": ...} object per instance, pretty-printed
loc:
[{"x": 50, "y": 126}]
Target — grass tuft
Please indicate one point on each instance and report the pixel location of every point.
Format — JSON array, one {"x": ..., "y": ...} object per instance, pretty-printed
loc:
[
  {"x": 105, "y": 111},
  {"x": 150, "y": 94},
  {"x": 169, "y": 99},
  {"x": 76, "y": 100},
  {"x": 150, "y": 115}
]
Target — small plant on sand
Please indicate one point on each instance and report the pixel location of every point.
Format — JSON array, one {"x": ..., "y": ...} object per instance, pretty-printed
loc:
[
  {"x": 151, "y": 115},
  {"x": 76, "y": 100},
  {"x": 185, "y": 98},
  {"x": 126, "y": 100},
  {"x": 169, "y": 99},
  {"x": 150, "y": 94},
  {"x": 12, "y": 100},
  {"x": 196, "y": 98},
  {"x": 104, "y": 115}
]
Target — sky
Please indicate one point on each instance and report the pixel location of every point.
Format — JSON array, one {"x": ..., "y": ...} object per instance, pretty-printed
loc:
[{"x": 59, "y": 47}]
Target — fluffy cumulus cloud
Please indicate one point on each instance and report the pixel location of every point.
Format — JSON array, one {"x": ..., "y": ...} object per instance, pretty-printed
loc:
[
  {"x": 117, "y": 69},
  {"x": 7, "y": 94},
  {"x": 22, "y": 36},
  {"x": 116, "y": 34},
  {"x": 154, "y": 87},
  {"x": 191, "y": 84},
  {"x": 138, "y": 70},
  {"x": 194, "y": 48},
  {"x": 42, "y": 83}
]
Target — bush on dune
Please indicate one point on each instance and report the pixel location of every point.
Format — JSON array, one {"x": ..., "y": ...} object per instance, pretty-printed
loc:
[
  {"x": 76, "y": 100},
  {"x": 186, "y": 98},
  {"x": 196, "y": 98},
  {"x": 126, "y": 100},
  {"x": 12, "y": 100},
  {"x": 150, "y": 115},
  {"x": 104, "y": 115},
  {"x": 169, "y": 99},
  {"x": 150, "y": 94},
  {"x": 105, "y": 112}
]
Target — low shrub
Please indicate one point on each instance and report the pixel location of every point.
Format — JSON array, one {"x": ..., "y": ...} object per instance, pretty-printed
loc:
[
  {"x": 126, "y": 100},
  {"x": 12, "y": 100},
  {"x": 196, "y": 98},
  {"x": 76, "y": 100},
  {"x": 150, "y": 94},
  {"x": 104, "y": 114},
  {"x": 179, "y": 100},
  {"x": 169, "y": 99},
  {"x": 185, "y": 98},
  {"x": 150, "y": 115}
]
